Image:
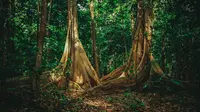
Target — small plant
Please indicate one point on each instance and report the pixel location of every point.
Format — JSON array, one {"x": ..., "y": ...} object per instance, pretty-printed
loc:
[
  {"x": 127, "y": 94},
  {"x": 135, "y": 105},
  {"x": 109, "y": 99},
  {"x": 145, "y": 33}
]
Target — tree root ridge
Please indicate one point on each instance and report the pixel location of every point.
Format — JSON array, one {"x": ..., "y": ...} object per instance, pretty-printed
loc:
[{"x": 122, "y": 82}]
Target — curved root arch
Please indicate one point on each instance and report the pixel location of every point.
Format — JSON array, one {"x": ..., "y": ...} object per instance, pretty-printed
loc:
[
  {"x": 81, "y": 71},
  {"x": 137, "y": 69}
]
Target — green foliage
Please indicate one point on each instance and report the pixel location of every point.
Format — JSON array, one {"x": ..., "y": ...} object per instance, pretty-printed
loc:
[
  {"x": 145, "y": 34},
  {"x": 109, "y": 99},
  {"x": 135, "y": 105},
  {"x": 25, "y": 25},
  {"x": 127, "y": 94},
  {"x": 113, "y": 33},
  {"x": 174, "y": 22},
  {"x": 176, "y": 82}
]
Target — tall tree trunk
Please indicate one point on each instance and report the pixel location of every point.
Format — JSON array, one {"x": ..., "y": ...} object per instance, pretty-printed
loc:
[
  {"x": 93, "y": 37},
  {"x": 140, "y": 53},
  {"x": 41, "y": 36},
  {"x": 82, "y": 74},
  {"x": 3, "y": 32},
  {"x": 82, "y": 71},
  {"x": 141, "y": 38}
]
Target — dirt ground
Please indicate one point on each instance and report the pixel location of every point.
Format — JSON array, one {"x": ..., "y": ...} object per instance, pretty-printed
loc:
[{"x": 20, "y": 99}]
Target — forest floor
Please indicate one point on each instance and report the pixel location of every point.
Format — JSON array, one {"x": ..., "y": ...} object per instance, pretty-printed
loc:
[{"x": 19, "y": 98}]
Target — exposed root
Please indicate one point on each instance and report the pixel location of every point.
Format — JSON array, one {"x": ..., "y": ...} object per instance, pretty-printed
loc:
[
  {"x": 122, "y": 82},
  {"x": 155, "y": 66},
  {"x": 54, "y": 76},
  {"x": 114, "y": 74}
]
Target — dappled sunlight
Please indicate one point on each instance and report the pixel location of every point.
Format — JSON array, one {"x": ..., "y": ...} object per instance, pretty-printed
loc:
[
  {"x": 78, "y": 79},
  {"x": 98, "y": 103},
  {"x": 99, "y": 56}
]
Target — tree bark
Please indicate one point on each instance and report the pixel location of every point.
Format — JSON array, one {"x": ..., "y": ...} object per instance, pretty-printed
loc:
[
  {"x": 93, "y": 37},
  {"x": 40, "y": 43},
  {"x": 82, "y": 74},
  {"x": 138, "y": 63},
  {"x": 3, "y": 32}
]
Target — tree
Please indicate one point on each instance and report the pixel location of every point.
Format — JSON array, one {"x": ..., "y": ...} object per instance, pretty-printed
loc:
[
  {"x": 82, "y": 74},
  {"x": 40, "y": 43},
  {"x": 138, "y": 64},
  {"x": 93, "y": 37}
]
